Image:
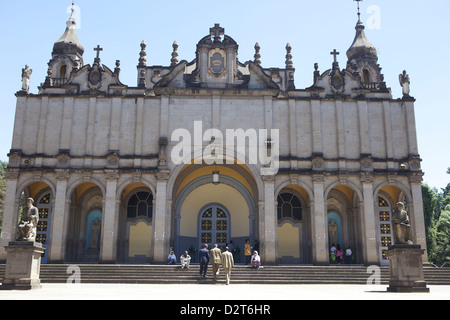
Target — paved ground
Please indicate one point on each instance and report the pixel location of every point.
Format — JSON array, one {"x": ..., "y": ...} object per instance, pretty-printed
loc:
[{"x": 219, "y": 292}]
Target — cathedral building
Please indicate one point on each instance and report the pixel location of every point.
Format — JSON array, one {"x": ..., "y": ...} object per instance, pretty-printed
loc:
[{"x": 213, "y": 151}]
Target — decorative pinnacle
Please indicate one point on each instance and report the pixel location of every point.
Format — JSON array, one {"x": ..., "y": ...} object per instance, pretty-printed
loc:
[
  {"x": 174, "y": 60},
  {"x": 143, "y": 55},
  {"x": 359, "y": 12},
  {"x": 289, "y": 63},
  {"x": 257, "y": 54}
]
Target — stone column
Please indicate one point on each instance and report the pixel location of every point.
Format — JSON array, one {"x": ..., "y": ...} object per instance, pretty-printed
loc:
[
  {"x": 160, "y": 234},
  {"x": 269, "y": 233},
  {"x": 416, "y": 215},
  {"x": 370, "y": 247},
  {"x": 10, "y": 212},
  {"x": 110, "y": 221},
  {"x": 58, "y": 236},
  {"x": 319, "y": 223}
]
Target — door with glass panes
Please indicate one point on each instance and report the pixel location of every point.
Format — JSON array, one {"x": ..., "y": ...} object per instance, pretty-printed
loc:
[{"x": 214, "y": 226}]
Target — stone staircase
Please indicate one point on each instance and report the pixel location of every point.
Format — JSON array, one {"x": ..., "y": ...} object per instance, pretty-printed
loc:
[{"x": 160, "y": 274}]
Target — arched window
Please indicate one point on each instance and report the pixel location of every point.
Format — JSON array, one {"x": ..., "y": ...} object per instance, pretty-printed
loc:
[
  {"x": 366, "y": 76},
  {"x": 140, "y": 205},
  {"x": 289, "y": 207},
  {"x": 63, "y": 71}
]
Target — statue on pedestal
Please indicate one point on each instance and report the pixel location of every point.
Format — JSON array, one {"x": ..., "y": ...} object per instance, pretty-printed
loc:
[
  {"x": 332, "y": 232},
  {"x": 402, "y": 226},
  {"x": 95, "y": 234},
  {"x": 405, "y": 83},
  {"x": 27, "y": 228},
  {"x": 26, "y": 75}
]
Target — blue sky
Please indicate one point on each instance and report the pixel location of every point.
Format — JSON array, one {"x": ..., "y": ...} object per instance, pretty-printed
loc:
[{"x": 409, "y": 35}]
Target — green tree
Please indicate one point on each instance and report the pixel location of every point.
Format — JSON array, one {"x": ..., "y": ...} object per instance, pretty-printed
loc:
[
  {"x": 443, "y": 237},
  {"x": 430, "y": 201}
]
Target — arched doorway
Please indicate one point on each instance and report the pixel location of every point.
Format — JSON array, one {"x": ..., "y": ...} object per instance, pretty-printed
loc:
[
  {"x": 86, "y": 207},
  {"x": 292, "y": 242},
  {"x": 207, "y": 212}
]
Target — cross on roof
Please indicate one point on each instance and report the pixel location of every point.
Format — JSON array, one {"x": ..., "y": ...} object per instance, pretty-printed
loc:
[
  {"x": 98, "y": 49},
  {"x": 217, "y": 31},
  {"x": 335, "y": 53},
  {"x": 359, "y": 12}
]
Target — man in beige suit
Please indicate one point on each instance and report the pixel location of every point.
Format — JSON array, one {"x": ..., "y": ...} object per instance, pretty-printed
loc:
[
  {"x": 227, "y": 263},
  {"x": 216, "y": 259}
]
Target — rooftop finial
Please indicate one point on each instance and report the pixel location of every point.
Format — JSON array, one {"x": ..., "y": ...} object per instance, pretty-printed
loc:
[{"x": 359, "y": 11}]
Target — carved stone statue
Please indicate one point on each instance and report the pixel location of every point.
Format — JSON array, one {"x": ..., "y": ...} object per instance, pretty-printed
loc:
[
  {"x": 402, "y": 226},
  {"x": 95, "y": 233},
  {"x": 332, "y": 231},
  {"x": 26, "y": 75},
  {"x": 27, "y": 228},
  {"x": 405, "y": 83}
]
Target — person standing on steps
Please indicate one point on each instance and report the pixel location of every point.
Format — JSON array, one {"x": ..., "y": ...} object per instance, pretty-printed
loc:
[
  {"x": 216, "y": 257},
  {"x": 227, "y": 264},
  {"x": 203, "y": 258}
]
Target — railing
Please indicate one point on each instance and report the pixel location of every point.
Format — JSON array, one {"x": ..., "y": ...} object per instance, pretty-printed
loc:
[
  {"x": 370, "y": 85},
  {"x": 440, "y": 266},
  {"x": 57, "y": 82}
]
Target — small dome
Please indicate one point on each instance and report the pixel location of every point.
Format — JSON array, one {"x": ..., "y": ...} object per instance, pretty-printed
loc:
[
  {"x": 361, "y": 46},
  {"x": 69, "y": 43}
]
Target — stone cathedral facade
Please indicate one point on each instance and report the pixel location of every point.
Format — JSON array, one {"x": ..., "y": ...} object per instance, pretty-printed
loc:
[{"x": 96, "y": 155}]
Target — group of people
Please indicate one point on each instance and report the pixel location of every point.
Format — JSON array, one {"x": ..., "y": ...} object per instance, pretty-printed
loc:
[
  {"x": 217, "y": 258},
  {"x": 338, "y": 255}
]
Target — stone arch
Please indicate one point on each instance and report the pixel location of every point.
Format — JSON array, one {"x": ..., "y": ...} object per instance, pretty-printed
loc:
[
  {"x": 293, "y": 234},
  {"x": 343, "y": 200},
  {"x": 85, "y": 197},
  {"x": 135, "y": 233},
  {"x": 230, "y": 187}
]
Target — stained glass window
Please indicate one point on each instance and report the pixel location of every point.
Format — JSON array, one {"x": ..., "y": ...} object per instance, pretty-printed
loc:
[
  {"x": 382, "y": 202},
  {"x": 385, "y": 216}
]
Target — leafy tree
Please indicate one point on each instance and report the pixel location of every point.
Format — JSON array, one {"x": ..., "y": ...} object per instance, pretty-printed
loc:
[{"x": 443, "y": 236}]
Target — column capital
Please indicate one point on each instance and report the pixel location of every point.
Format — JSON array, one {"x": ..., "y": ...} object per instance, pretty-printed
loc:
[
  {"x": 416, "y": 178},
  {"x": 62, "y": 174},
  {"x": 111, "y": 175},
  {"x": 268, "y": 178},
  {"x": 318, "y": 178},
  {"x": 12, "y": 174},
  {"x": 162, "y": 175},
  {"x": 367, "y": 178}
]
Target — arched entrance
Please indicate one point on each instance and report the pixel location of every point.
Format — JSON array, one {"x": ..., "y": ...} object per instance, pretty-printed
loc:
[{"x": 214, "y": 213}]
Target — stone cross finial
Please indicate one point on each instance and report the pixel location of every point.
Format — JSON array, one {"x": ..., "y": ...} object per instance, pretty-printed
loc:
[
  {"x": 217, "y": 31},
  {"x": 98, "y": 49},
  {"x": 335, "y": 63},
  {"x": 335, "y": 54}
]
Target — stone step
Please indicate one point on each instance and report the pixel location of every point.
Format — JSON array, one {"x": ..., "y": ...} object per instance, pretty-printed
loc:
[{"x": 159, "y": 274}]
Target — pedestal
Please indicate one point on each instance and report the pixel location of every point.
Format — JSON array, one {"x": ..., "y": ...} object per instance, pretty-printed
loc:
[
  {"x": 406, "y": 269},
  {"x": 23, "y": 264}
]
